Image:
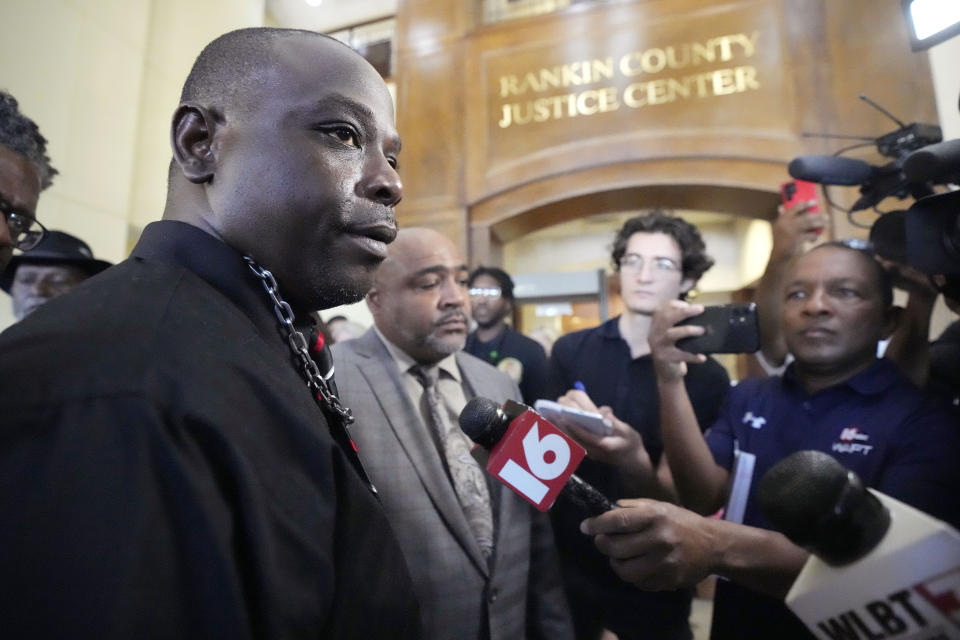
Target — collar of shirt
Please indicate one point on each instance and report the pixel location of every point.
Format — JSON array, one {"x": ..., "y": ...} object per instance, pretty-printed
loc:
[
  {"x": 611, "y": 329},
  {"x": 404, "y": 361},
  {"x": 875, "y": 379},
  {"x": 215, "y": 262}
]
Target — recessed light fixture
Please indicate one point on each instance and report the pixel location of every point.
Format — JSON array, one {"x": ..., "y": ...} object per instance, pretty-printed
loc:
[
  {"x": 314, "y": 3},
  {"x": 931, "y": 21}
]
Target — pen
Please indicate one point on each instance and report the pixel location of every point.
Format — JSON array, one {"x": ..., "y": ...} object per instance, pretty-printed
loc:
[{"x": 579, "y": 386}]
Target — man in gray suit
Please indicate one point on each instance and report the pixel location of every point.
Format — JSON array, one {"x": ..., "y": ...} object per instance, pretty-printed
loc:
[{"x": 482, "y": 560}]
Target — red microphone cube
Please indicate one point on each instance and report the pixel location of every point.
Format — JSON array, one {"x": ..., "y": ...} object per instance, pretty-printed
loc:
[{"x": 535, "y": 459}]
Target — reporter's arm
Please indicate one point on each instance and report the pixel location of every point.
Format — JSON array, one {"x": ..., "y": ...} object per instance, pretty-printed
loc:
[
  {"x": 700, "y": 482},
  {"x": 791, "y": 229},
  {"x": 658, "y": 546},
  {"x": 909, "y": 344}
]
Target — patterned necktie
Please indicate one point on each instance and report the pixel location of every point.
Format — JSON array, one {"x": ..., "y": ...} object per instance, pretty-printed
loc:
[{"x": 468, "y": 479}]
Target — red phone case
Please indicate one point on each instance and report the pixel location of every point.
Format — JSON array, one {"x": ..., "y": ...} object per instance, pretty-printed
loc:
[{"x": 800, "y": 191}]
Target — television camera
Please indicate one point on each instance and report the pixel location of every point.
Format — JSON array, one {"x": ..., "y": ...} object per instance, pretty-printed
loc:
[{"x": 927, "y": 236}]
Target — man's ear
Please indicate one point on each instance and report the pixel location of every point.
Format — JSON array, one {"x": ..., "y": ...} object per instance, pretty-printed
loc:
[
  {"x": 192, "y": 140},
  {"x": 686, "y": 284},
  {"x": 373, "y": 299}
]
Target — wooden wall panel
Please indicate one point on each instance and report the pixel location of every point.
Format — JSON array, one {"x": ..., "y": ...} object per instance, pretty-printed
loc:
[{"x": 718, "y": 133}]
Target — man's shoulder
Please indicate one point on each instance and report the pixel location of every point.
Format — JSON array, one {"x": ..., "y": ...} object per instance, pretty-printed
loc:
[
  {"x": 360, "y": 347},
  {"x": 117, "y": 311},
  {"x": 528, "y": 346},
  {"x": 477, "y": 366},
  {"x": 477, "y": 370},
  {"x": 577, "y": 339},
  {"x": 106, "y": 335},
  {"x": 709, "y": 372}
]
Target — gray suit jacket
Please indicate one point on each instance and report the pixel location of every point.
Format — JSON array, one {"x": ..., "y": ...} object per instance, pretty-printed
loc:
[{"x": 519, "y": 594}]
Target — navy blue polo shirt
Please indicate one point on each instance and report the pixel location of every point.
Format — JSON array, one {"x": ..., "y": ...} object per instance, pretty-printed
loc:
[{"x": 896, "y": 438}]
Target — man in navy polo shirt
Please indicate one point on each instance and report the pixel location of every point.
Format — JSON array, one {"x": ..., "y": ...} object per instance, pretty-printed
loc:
[{"x": 836, "y": 397}]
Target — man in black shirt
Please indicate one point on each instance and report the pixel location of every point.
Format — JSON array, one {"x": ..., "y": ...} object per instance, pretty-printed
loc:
[
  {"x": 171, "y": 463},
  {"x": 608, "y": 369},
  {"x": 523, "y": 359}
]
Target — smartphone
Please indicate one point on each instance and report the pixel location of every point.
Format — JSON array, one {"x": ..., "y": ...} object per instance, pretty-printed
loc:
[
  {"x": 590, "y": 421},
  {"x": 800, "y": 191},
  {"x": 730, "y": 328}
]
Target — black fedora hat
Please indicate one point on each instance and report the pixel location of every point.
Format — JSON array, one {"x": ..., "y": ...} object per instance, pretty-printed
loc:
[{"x": 57, "y": 247}]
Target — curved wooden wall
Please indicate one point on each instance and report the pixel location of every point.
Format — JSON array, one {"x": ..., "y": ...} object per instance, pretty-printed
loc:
[{"x": 683, "y": 103}]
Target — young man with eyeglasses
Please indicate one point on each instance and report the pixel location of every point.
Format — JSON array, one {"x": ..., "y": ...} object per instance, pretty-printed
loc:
[
  {"x": 25, "y": 171},
  {"x": 520, "y": 357},
  {"x": 608, "y": 369}
]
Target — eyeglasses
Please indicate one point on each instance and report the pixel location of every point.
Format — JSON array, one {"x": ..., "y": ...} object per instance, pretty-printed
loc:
[
  {"x": 25, "y": 231},
  {"x": 491, "y": 292},
  {"x": 635, "y": 262},
  {"x": 858, "y": 244}
]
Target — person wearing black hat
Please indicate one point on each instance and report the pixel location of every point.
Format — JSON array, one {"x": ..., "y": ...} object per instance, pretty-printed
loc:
[{"x": 57, "y": 264}]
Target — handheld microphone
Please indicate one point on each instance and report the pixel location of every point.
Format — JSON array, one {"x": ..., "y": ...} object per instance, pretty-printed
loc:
[
  {"x": 530, "y": 455},
  {"x": 880, "y": 567},
  {"x": 830, "y": 170}
]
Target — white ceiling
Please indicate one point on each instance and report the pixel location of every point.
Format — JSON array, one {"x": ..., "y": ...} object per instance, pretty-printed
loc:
[{"x": 331, "y": 15}]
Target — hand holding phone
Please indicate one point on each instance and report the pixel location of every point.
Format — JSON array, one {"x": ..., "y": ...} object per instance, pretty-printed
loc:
[
  {"x": 796, "y": 192},
  {"x": 593, "y": 422},
  {"x": 728, "y": 328}
]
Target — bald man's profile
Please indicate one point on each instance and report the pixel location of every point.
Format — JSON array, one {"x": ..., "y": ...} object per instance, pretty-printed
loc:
[{"x": 172, "y": 463}]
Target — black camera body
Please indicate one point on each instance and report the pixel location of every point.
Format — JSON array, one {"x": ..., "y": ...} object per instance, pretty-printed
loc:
[{"x": 927, "y": 236}]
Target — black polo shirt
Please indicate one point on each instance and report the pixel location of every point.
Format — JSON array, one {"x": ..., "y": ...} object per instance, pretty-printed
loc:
[
  {"x": 528, "y": 352},
  {"x": 600, "y": 359}
]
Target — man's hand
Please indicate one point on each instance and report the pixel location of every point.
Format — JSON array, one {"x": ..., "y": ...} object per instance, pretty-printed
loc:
[
  {"x": 656, "y": 545},
  {"x": 908, "y": 278},
  {"x": 670, "y": 362},
  {"x": 795, "y": 226},
  {"x": 623, "y": 448}
]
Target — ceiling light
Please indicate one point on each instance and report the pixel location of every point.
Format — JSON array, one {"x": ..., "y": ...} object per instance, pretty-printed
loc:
[
  {"x": 314, "y": 3},
  {"x": 931, "y": 21}
]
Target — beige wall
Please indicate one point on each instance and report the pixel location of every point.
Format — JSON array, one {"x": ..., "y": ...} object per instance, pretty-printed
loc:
[{"x": 101, "y": 79}]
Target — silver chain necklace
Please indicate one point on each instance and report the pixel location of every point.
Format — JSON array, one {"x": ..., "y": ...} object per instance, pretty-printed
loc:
[{"x": 298, "y": 345}]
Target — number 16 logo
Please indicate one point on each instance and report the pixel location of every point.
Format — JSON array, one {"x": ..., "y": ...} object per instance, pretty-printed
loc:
[{"x": 535, "y": 459}]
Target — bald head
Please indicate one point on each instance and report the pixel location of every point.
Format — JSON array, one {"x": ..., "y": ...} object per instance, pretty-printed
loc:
[
  {"x": 412, "y": 246},
  {"x": 419, "y": 298},
  {"x": 233, "y": 63},
  {"x": 286, "y": 150}
]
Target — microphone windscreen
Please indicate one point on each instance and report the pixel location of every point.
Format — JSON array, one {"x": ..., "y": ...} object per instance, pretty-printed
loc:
[
  {"x": 822, "y": 506},
  {"x": 830, "y": 170},
  {"x": 481, "y": 419}
]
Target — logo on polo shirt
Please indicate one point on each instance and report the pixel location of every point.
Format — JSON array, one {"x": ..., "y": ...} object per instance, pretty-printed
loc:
[
  {"x": 755, "y": 421},
  {"x": 852, "y": 441}
]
